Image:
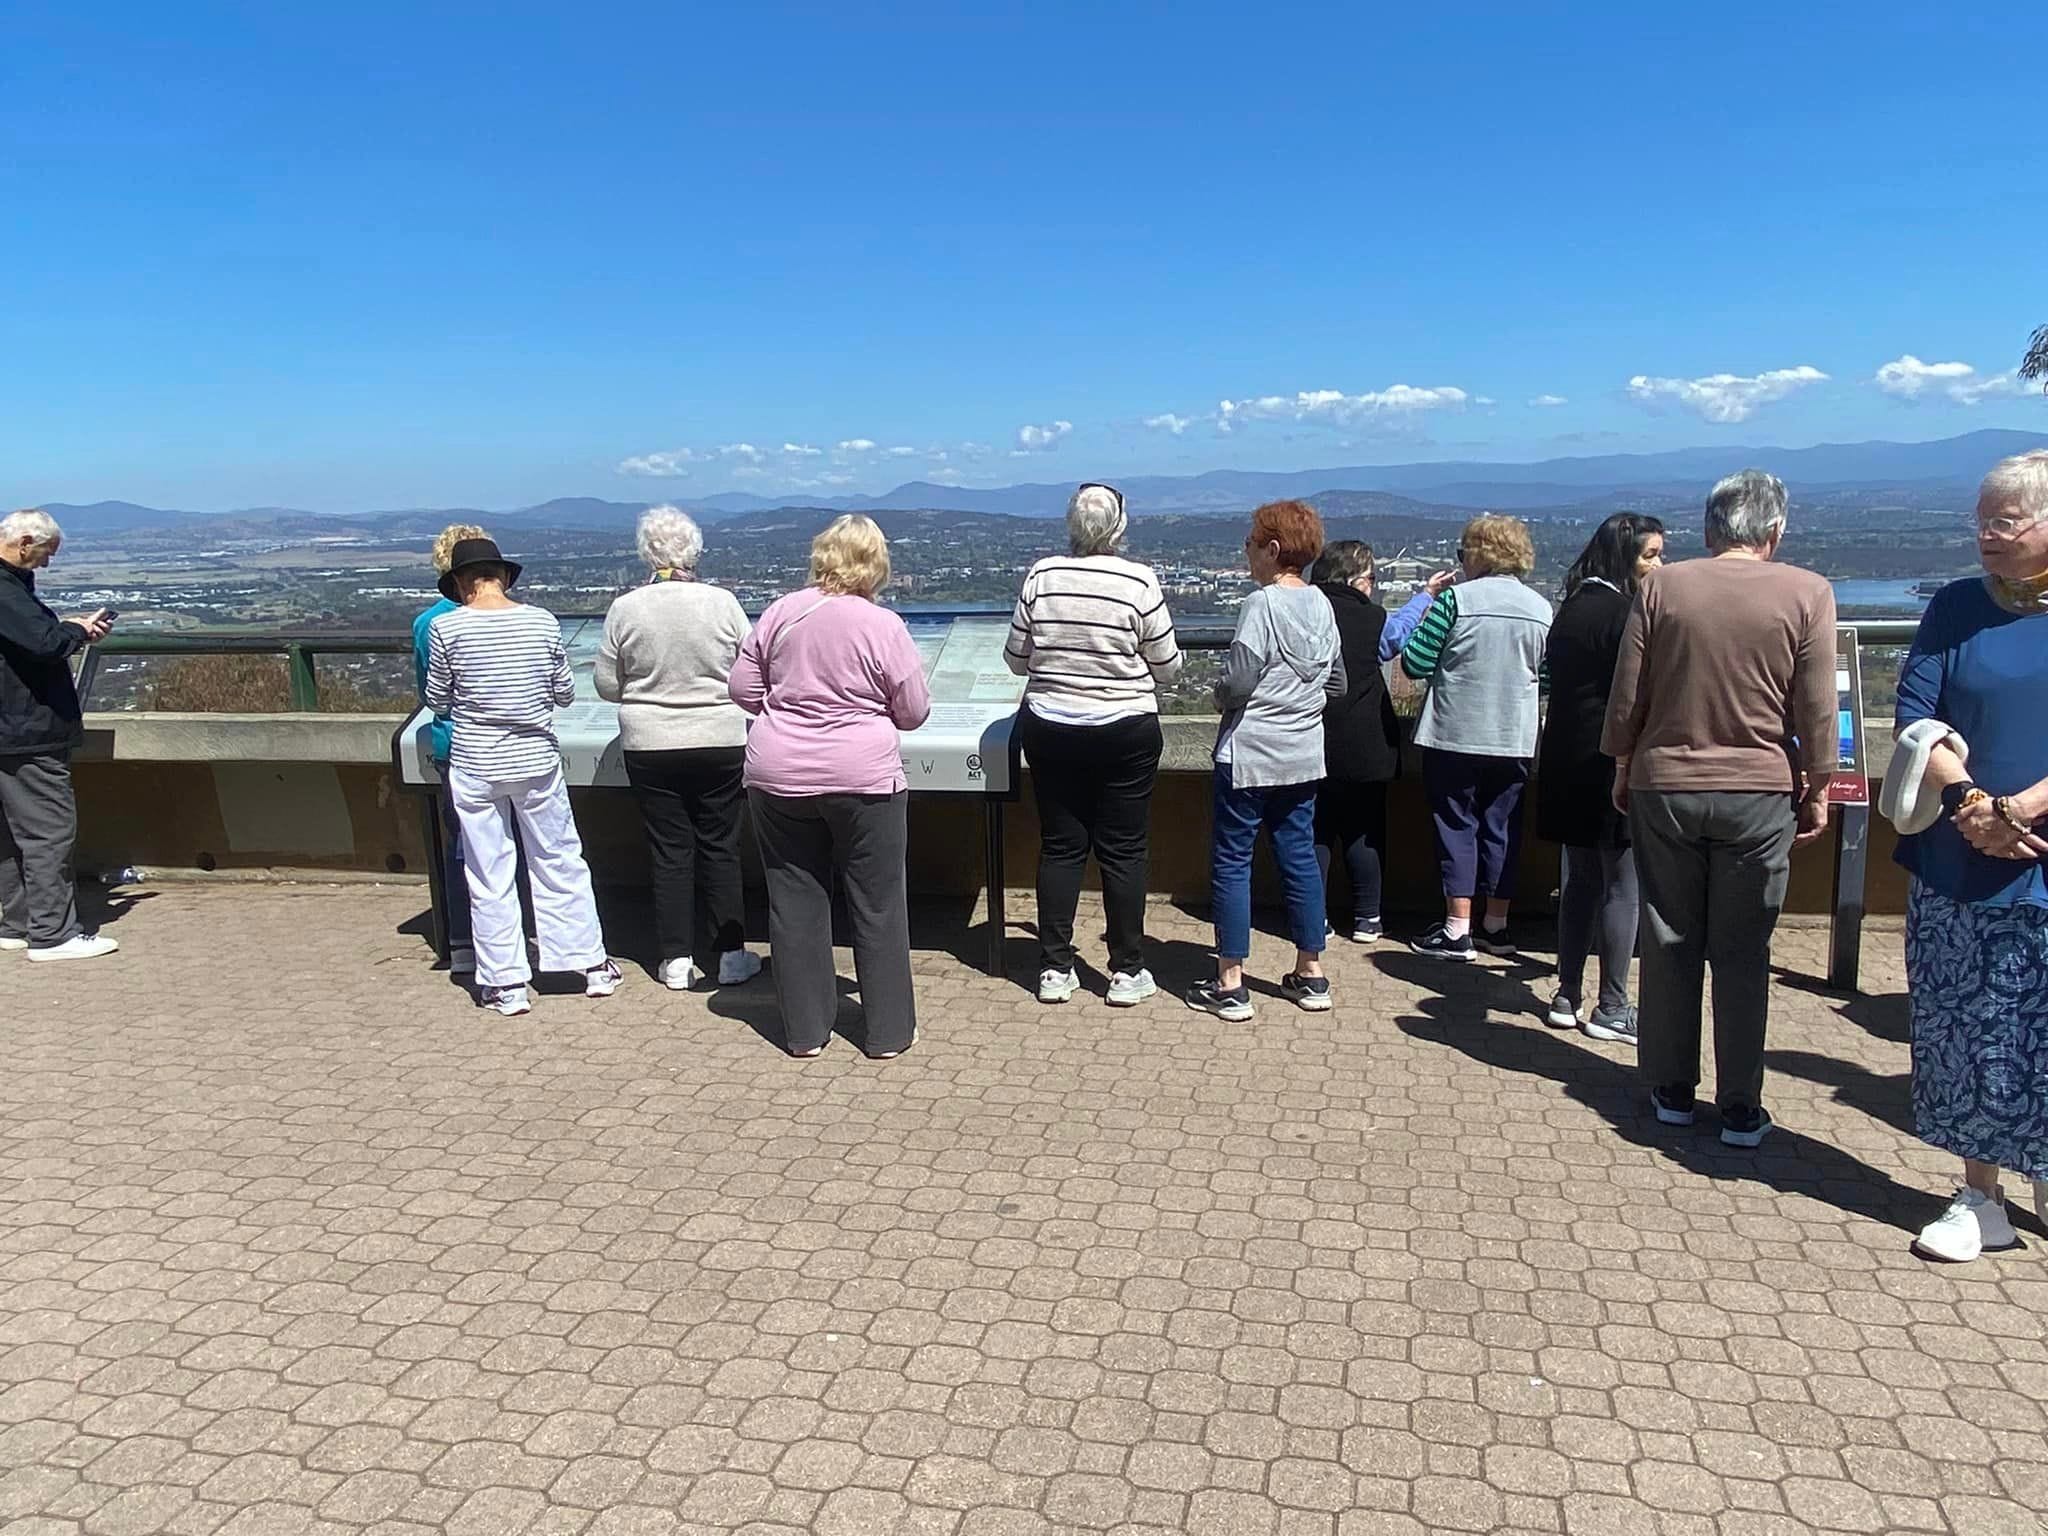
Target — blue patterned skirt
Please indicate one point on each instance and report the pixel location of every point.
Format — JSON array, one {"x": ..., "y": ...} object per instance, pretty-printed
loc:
[{"x": 1979, "y": 981}]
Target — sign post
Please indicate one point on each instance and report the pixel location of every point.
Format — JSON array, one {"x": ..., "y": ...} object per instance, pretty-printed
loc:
[{"x": 1849, "y": 795}]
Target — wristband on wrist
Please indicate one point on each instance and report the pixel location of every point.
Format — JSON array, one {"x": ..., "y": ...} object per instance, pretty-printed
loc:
[
  {"x": 1959, "y": 794},
  {"x": 2003, "y": 807}
]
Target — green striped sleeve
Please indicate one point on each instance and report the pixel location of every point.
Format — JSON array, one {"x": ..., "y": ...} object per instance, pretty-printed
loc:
[{"x": 1425, "y": 648}]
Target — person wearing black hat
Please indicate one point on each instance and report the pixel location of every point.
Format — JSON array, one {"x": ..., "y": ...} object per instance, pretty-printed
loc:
[{"x": 498, "y": 669}]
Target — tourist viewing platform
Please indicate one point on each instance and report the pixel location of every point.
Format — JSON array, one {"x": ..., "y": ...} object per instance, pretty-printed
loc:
[{"x": 301, "y": 1240}]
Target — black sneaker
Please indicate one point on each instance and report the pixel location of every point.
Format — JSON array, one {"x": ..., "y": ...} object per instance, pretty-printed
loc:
[
  {"x": 1439, "y": 942},
  {"x": 1494, "y": 941},
  {"x": 1367, "y": 931},
  {"x": 1564, "y": 1012},
  {"x": 1744, "y": 1125},
  {"x": 1311, "y": 994},
  {"x": 1619, "y": 1026},
  {"x": 1673, "y": 1104},
  {"x": 1234, "y": 1006}
]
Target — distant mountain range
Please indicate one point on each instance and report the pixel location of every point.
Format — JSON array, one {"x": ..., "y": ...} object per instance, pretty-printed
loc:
[{"x": 1947, "y": 467}]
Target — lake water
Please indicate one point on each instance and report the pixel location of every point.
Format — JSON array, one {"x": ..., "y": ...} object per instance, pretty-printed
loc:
[{"x": 1896, "y": 595}]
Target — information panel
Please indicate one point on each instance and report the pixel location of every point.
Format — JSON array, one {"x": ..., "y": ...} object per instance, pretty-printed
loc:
[
  {"x": 1851, "y": 783},
  {"x": 966, "y": 747}
]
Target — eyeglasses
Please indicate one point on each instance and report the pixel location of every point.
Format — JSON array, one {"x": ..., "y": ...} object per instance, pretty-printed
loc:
[
  {"x": 1097, "y": 485},
  {"x": 2005, "y": 527}
]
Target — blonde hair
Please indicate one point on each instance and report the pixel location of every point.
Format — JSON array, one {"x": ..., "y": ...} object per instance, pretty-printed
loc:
[
  {"x": 446, "y": 540},
  {"x": 851, "y": 556},
  {"x": 1501, "y": 546}
]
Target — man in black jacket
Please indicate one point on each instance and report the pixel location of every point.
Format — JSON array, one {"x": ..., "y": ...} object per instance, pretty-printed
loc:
[{"x": 40, "y": 726}]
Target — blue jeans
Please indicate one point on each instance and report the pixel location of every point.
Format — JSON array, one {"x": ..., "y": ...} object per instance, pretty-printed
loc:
[{"x": 1288, "y": 813}]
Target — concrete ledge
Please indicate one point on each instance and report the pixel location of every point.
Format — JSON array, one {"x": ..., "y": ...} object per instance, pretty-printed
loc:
[{"x": 163, "y": 737}]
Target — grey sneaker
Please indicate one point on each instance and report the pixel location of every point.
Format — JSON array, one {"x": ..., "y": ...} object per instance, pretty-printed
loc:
[
  {"x": 1311, "y": 994},
  {"x": 1129, "y": 988},
  {"x": 1057, "y": 986},
  {"x": 1564, "y": 1012},
  {"x": 1619, "y": 1027}
]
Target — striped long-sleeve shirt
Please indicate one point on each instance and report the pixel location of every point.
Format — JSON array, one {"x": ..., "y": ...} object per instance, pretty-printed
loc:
[
  {"x": 500, "y": 674},
  {"x": 1092, "y": 635}
]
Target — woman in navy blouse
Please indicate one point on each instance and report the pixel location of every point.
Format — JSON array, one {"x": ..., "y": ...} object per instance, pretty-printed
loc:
[{"x": 1977, "y": 924}]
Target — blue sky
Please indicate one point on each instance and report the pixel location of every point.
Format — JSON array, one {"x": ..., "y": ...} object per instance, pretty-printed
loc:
[{"x": 433, "y": 254}]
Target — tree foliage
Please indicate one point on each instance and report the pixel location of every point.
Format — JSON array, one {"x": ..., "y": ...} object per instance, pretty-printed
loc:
[
  {"x": 253, "y": 685},
  {"x": 2035, "y": 365}
]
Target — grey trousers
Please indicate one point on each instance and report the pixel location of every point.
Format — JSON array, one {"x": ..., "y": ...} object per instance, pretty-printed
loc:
[
  {"x": 1713, "y": 868},
  {"x": 1597, "y": 904},
  {"x": 858, "y": 842},
  {"x": 38, "y": 827}
]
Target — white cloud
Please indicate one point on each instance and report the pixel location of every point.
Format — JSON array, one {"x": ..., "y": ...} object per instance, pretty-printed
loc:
[
  {"x": 745, "y": 451},
  {"x": 1333, "y": 406},
  {"x": 801, "y": 450},
  {"x": 857, "y": 445},
  {"x": 1484, "y": 400},
  {"x": 1725, "y": 397},
  {"x": 1549, "y": 402},
  {"x": 1907, "y": 378},
  {"x": 1036, "y": 439},
  {"x": 1166, "y": 421},
  {"x": 900, "y": 452},
  {"x": 672, "y": 465}
]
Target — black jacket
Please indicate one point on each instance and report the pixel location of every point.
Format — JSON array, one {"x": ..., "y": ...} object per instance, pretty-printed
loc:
[
  {"x": 1574, "y": 779},
  {"x": 1361, "y": 739},
  {"x": 38, "y": 700}
]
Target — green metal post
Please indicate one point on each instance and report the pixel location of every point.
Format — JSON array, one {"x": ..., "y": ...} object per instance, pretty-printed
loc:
[{"x": 305, "y": 687}]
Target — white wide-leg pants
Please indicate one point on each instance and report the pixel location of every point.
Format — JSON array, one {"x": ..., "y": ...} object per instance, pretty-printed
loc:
[{"x": 564, "y": 909}]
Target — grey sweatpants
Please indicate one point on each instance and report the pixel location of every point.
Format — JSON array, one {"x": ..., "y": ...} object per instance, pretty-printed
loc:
[
  {"x": 1713, "y": 868},
  {"x": 38, "y": 827},
  {"x": 809, "y": 844},
  {"x": 1597, "y": 905}
]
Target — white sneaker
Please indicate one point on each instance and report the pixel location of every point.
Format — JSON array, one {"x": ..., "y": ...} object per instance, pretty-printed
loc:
[
  {"x": 462, "y": 961},
  {"x": 602, "y": 980},
  {"x": 737, "y": 967},
  {"x": 1973, "y": 1223},
  {"x": 1129, "y": 988},
  {"x": 1057, "y": 986},
  {"x": 13, "y": 944},
  {"x": 680, "y": 975},
  {"x": 510, "y": 1001},
  {"x": 82, "y": 946}
]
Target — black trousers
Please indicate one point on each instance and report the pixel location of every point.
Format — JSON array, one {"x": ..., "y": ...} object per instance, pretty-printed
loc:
[
  {"x": 1351, "y": 824},
  {"x": 859, "y": 842},
  {"x": 690, "y": 801},
  {"x": 1094, "y": 790}
]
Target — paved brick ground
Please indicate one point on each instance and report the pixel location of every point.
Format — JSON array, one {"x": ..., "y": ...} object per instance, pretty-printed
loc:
[{"x": 293, "y": 1239}]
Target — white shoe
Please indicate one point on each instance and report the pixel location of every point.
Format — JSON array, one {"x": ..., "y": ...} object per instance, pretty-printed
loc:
[
  {"x": 13, "y": 944},
  {"x": 462, "y": 961},
  {"x": 1973, "y": 1223},
  {"x": 680, "y": 975},
  {"x": 1057, "y": 986},
  {"x": 602, "y": 980},
  {"x": 1129, "y": 988},
  {"x": 510, "y": 1001},
  {"x": 82, "y": 946},
  {"x": 737, "y": 967}
]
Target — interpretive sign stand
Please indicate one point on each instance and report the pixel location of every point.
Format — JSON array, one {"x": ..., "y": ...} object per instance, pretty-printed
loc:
[
  {"x": 967, "y": 747},
  {"x": 1849, "y": 795}
]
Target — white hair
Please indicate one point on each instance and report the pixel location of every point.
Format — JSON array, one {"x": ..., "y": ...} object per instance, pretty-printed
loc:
[
  {"x": 1745, "y": 511},
  {"x": 669, "y": 539},
  {"x": 1096, "y": 521},
  {"x": 2020, "y": 482},
  {"x": 33, "y": 524}
]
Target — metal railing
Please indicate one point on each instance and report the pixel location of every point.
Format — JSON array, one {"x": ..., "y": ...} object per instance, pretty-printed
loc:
[{"x": 302, "y": 649}]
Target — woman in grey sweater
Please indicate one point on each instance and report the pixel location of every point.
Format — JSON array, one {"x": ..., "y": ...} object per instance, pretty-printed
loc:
[
  {"x": 667, "y": 654},
  {"x": 1284, "y": 666}
]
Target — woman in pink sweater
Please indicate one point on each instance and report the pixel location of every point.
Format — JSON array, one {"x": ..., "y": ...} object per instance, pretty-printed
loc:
[{"x": 831, "y": 677}]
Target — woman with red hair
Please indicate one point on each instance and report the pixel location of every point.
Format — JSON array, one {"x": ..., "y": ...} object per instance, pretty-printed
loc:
[{"x": 1284, "y": 666}]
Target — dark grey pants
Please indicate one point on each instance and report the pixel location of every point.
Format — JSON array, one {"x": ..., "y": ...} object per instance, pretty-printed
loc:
[
  {"x": 1597, "y": 906},
  {"x": 38, "y": 827},
  {"x": 1713, "y": 868},
  {"x": 856, "y": 841}
]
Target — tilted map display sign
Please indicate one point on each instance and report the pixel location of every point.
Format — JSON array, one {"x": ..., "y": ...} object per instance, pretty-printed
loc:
[{"x": 968, "y": 746}]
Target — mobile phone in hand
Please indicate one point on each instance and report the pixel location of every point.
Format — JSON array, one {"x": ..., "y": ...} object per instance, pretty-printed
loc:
[{"x": 108, "y": 615}]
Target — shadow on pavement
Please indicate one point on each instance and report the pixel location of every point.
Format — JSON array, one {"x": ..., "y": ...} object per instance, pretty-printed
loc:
[{"x": 1788, "y": 1161}]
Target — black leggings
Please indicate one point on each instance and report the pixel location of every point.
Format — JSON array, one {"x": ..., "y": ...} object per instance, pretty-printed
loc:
[
  {"x": 1094, "y": 789},
  {"x": 1351, "y": 819}
]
